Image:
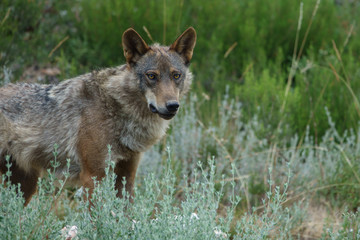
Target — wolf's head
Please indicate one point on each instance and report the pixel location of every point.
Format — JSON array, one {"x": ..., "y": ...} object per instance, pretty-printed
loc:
[{"x": 162, "y": 71}]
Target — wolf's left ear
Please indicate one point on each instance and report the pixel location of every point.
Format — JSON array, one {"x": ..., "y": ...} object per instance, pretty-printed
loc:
[
  {"x": 185, "y": 43},
  {"x": 134, "y": 46}
]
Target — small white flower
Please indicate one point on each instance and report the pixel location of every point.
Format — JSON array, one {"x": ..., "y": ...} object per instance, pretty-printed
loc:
[
  {"x": 194, "y": 215},
  {"x": 220, "y": 233},
  {"x": 112, "y": 213},
  {"x": 79, "y": 193},
  {"x": 73, "y": 231},
  {"x": 178, "y": 217},
  {"x": 133, "y": 224},
  {"x": 69, "y": 232}
]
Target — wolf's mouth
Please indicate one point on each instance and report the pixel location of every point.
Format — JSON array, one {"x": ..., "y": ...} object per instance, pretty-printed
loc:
[{"x": 167, "y": 116}]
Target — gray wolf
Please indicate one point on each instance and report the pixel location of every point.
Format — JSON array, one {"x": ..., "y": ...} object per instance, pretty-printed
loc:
[{"x": 127, "y": 107}]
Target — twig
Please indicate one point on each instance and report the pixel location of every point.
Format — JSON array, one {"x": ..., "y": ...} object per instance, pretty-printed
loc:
[
  {"x": 57, "y": 46},
  {"x": 308, "y": 29},
  {"x": 230, "y": 49},
  {"x": 180, "y": 14},
  {"x": 306, "y": 192},
  {"x": 164, "y": 22},
  {"x": 348, "y": 36},
  {"x": 349, "y": 162},
  {"x": 6, "y": 17},
  {"x": 148, "y": 33},
  {"x": 296, "y": 57}
]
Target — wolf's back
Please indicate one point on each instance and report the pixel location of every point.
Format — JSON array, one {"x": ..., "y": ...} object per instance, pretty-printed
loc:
[
  {"x": 25, "y": 102},
  {"x": 34, "y": 117}
]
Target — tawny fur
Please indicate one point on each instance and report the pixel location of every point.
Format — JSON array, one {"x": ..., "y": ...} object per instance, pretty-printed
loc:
[{"x": 85, "y": 114}]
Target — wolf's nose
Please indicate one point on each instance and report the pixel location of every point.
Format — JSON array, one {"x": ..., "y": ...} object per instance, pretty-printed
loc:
[{"x": 172, "y": 106}]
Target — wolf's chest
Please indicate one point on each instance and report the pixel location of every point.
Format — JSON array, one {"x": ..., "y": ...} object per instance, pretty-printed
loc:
[{"x": 139, "y": 136}]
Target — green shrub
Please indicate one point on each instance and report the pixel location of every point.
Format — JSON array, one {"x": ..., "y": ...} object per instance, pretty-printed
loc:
[
  {"x": 248, "y": 46},
  {"x": 241, "y": 121},
  {"x": 183, "y": 193}
]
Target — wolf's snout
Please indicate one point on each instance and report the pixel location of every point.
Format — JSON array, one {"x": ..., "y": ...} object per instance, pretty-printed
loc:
[
  {"x": 167, "y": 112},
  {"x": 172, "y": 106}
]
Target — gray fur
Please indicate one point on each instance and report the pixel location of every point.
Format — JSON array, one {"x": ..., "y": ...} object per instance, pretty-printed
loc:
[{"x": 113, "y": 103}]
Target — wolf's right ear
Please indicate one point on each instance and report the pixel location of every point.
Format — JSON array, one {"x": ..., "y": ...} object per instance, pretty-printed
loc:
[
  {"x": 134, "y": 46},
  {"x": 185, "y": 43}
]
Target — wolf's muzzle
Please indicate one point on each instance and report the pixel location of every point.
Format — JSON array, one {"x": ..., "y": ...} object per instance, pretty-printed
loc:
[{"x": 168, "y": 112}]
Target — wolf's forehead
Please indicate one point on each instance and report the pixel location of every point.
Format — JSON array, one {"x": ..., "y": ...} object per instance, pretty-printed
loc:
[
  {"x": 161, "y": 58},
  {"x": 160, "y": 51}
]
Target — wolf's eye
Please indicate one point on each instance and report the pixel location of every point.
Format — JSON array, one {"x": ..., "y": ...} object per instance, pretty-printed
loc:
[
  {"x": 176, "y": 76},
  {"x": 151, "y": 76}
]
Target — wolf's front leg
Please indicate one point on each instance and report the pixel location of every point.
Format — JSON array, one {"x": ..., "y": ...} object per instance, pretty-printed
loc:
[
  {"x": 126, "y": 169},
  {"x": 92, "y": 155},
  {"x": 87, "y": 181}
]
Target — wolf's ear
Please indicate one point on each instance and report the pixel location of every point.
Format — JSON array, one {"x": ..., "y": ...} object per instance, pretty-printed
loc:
[
  {"x": 134, "y": 46},
  {"x": 185, "y": 43}
]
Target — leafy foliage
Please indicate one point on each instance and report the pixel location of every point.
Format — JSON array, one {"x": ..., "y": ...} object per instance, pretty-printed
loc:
[{"x": 276, "y": 88}]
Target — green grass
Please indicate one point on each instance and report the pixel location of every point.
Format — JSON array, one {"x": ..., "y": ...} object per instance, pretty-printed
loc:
[
  {"x": 252, "y": 51},
  {"x": 269, "y": 135},
  {"x": 247, "y": 188}
]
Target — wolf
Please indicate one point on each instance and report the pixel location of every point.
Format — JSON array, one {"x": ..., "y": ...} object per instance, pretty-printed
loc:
[{"x": 127, "y": 107}]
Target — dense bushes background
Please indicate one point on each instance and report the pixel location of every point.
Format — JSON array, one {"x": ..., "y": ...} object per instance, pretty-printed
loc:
[
  {"x": 247, "y": 45},
  {"x": 273, "y": 118}
]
